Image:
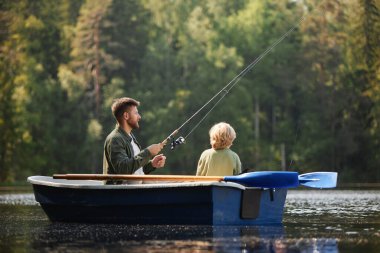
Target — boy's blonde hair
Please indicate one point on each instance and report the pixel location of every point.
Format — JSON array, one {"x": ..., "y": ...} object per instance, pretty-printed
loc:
[{"x": 222, "y": 135}]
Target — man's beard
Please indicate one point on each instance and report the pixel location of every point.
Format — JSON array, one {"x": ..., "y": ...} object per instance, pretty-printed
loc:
[{"x": 133, "y": 124}]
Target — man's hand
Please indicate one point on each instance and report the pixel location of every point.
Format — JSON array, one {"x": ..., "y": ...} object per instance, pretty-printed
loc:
[
  {"x": 154, "y": 149},
  {"x": 158, "y": 161}
]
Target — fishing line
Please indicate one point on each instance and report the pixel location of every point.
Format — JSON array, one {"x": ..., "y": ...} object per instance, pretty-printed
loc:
[{"x": 226, "y": 89}]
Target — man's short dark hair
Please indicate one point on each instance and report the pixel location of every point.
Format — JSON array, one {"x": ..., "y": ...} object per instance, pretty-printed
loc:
[{"x": 121, "y": 105}]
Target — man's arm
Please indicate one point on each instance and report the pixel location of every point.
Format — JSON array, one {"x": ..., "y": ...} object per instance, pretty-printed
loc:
[
  {"x": 124, "y": 163},
  {"x": 154, "y": 149}
]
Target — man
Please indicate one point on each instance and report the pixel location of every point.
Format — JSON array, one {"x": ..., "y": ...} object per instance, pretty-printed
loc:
[{"x": 122, "y": 152}]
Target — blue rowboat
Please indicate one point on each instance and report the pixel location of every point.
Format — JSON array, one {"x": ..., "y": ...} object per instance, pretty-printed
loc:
[
  {"x": 160, "y": 202},
  {"x": 212, "y": 203}
]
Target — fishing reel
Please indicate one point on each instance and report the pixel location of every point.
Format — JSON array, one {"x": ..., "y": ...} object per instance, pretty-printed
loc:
[{"x": 177, "y": 142}]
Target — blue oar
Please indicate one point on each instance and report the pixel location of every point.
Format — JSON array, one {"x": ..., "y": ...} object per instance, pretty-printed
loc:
[
  {"x": 264, "y": 179},
  {"x": 319, "y": 179},
  {"x": 285, "y": 179}
]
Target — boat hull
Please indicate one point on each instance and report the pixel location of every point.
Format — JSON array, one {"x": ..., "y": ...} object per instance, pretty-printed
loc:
[{"x": 208, "y": 203}]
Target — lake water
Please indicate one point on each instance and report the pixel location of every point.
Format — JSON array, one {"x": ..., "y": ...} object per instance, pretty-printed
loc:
[{"x": 314, "y": 221}]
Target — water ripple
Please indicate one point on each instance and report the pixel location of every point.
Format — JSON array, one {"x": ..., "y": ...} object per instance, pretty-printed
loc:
[
  {"x": 351, "y": 206},
  {"x": 26, "y": 199}
]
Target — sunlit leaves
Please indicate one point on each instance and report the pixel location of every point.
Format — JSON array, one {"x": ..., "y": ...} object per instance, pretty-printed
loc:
[
  {"x": 94, "y": 130},
  {"x": 224, "y": 57},
  {"x": 316, "y": 93},
  {"x": 73, "y": 84}
]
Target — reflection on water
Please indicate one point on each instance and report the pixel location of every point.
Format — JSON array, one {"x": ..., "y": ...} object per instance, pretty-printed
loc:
[
  {"x": 314, "y": 221},
  {"x": 157, "y": 238}
]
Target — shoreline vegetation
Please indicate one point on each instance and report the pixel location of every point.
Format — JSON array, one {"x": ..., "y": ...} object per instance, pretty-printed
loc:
[{"x": 313, "y": 102}]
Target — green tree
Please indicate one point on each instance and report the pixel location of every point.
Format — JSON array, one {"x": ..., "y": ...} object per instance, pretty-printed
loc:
[
  {"x": 187, "y": 64},
  {"x": 31, "y": 52},
  {"x": 361, "y": 77},
  {"x": 83, "y": 77}
]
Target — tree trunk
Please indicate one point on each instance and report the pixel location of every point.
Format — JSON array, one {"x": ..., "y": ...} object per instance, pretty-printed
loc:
[
  {"x": 283, "y": 157},
  {"x": 257, "y": 129}
]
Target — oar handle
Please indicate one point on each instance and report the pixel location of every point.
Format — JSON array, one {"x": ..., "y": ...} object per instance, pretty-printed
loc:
[{"x": 136, "y": 177}]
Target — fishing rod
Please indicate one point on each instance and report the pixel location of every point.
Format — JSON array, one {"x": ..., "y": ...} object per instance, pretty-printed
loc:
[{"x": 226, "y": 89}]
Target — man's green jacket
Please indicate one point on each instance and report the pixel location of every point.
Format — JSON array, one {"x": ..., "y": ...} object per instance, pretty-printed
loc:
[{"x": 119, "y": 157}]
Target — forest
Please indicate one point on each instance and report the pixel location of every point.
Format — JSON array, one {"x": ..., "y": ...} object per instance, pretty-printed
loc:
[{"x": 311, "y": 104}]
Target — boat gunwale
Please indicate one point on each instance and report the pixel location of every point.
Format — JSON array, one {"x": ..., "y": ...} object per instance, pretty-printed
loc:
[{"x": 97, "y": 184}]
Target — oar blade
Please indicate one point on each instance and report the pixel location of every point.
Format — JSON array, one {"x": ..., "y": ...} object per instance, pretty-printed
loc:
[
  {"x": 266, "y": 179},
  {"x": 319, "y": 179}
]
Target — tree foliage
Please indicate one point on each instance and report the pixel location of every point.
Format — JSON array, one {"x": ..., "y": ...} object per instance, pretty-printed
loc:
[{"x": 311, "y": 104}]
